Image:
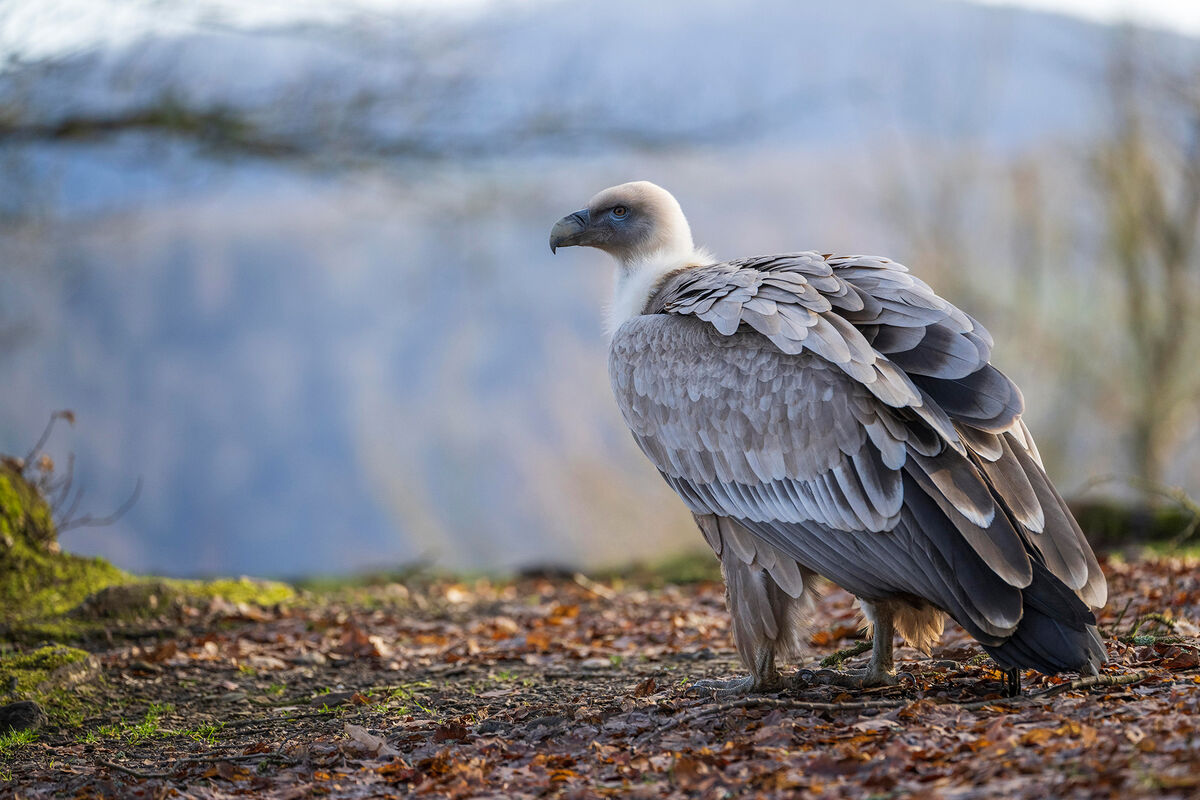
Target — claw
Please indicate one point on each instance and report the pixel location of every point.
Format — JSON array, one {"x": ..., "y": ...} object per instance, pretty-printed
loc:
[
  {"x": 735, "y": 687},
  {"x": 858, "y": 678}
]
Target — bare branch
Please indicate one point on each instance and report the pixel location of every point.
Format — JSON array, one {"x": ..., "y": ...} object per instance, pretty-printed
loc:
[
  {"x": 88, "y": 521},
  {"x": 66, "y": 414}
]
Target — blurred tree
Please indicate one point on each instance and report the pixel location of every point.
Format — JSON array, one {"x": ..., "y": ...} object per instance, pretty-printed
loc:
[{"x": 1148, "y": 172}]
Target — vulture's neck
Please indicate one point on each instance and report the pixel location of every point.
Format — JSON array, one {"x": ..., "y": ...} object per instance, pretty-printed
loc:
[{"x": 637, "y": 281}]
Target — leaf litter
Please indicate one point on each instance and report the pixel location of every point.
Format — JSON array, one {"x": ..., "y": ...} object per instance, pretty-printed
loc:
[{"x": 559, "y": 687}]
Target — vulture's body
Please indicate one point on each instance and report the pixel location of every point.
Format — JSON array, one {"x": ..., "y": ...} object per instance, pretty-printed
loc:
[{"x": 832, "y": 416}]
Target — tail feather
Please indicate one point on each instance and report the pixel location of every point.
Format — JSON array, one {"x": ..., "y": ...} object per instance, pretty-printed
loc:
[{"x": 1057, "y": 632}]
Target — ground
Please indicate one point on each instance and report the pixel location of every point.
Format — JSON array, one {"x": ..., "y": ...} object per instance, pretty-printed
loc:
[{"x": 565, "y": 686}]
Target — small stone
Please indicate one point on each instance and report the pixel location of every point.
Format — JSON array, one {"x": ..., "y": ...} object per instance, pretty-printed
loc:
[
  {"x": 331, "y": 699},
  {"x": 491, "y": 726},
  {"x": 24, "y": 715},
  {"x": 314, "y": 657},
  {"x": 125, "y": 600},
  {"x": 548, "y": 721},
  {"x": 267, "y": 663}
]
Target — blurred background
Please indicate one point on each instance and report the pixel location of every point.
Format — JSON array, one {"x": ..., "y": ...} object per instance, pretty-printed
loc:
[{"x": 287, "y": 261}]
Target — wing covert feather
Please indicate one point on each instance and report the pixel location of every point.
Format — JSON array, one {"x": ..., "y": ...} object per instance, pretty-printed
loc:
[{"x": 847, "y": 417}]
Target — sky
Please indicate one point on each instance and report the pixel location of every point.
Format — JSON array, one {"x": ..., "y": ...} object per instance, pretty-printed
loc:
[{"x": 1182, "y": 16}]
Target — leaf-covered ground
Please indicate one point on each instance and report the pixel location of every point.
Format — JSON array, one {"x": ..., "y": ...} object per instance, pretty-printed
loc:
[{"x": 562, "y": 687}]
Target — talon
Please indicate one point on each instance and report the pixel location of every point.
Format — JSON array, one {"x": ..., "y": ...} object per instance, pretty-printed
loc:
[
  {"x": 860, "y": 678},
  {"x": 824, "y": 675},
  {"x": 803, "y": 677},
  {"x": 736, "y": 687}
]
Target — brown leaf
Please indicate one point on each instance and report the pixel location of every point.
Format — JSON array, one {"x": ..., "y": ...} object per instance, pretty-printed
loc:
[
  {"x": 227, "y": 771},
  {"x": 537, "y": 640},
  {"x": 645, "y": 688},
  {"x": 562, "y": 612},
  {"x": 355, "y": 642},
  {"x": 376, "y": 745},
  {"x": 450, "y": 731},
  {"x": 162, "y": 652},
  {"x": 398, "y": 771},
  {"x": 1180, "y": 658}
]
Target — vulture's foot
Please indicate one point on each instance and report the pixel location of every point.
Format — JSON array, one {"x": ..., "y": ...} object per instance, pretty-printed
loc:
[
  {"x": 738, "y": 687},
  {"x": 856, "y": 678}
]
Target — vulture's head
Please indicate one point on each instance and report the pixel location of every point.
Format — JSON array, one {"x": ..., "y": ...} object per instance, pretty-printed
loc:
[{"x": 634, "y": 223}]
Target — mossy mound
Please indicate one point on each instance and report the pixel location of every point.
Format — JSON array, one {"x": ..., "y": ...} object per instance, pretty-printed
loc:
[
  {"x": 55, "y": 677},
  {"x": 25, "y": 517},
  {"x": 30, "y": 675},
  {"x": 46, "y": 594},
  {"x": 37, "y": 581}
]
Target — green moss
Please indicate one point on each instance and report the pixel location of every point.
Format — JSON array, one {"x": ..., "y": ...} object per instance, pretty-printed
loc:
[
  {"x": 49, "y": 595},
  {"x": 236, "y": 590},
  {"x": 25, "y": 518},
  {"x": 46, "y": 585},
  {"x": 31, "y": 673},
  {"x": 36, "y": 580},
  {"x": 56, "y": 677}
]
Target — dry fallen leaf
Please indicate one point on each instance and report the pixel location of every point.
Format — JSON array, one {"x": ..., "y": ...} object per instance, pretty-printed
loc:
[{"x": 376, "y": 745}]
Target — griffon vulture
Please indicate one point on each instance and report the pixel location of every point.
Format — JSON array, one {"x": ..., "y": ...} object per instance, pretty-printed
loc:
[{"x": 826, "y": 415}]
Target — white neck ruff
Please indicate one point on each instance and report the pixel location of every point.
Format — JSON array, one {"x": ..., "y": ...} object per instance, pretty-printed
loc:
[{"x": 637, "y": 280}]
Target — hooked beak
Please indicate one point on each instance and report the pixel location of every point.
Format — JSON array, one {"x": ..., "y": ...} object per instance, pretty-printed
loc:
[{"x": 568, "y": 231}]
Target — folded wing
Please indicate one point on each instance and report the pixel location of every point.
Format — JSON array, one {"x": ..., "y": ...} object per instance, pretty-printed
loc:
[{"x": 849, "y": 418}]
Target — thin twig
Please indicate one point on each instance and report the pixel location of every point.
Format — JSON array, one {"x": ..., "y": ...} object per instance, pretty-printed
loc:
[
  {"x": 1120, "y": 617},
  {"x": 60, "y": 490},
  {"x": 1095, "y": 680},
  {"x": 874, "y": 705},
  {"x": 88, "y": 521},
  {"x": 242, "y": 723},
  {"x": 856, "y": 649},
  {"x": 129, "y": 771},
  {"x": 1161, "y": 619},
  {"x": 69, "y": 416},
  {"x": 768, "y": 702},
  {"x": 175, "y": 765}
]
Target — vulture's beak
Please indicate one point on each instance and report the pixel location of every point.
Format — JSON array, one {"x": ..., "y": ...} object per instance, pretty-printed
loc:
[{"x": 568, "y": 231}]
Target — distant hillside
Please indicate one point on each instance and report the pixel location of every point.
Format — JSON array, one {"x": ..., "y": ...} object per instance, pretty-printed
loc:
[{"x": 547, "y": 76}]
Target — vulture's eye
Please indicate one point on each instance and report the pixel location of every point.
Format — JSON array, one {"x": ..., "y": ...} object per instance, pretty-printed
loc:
[{"x": 620, "y": 211}]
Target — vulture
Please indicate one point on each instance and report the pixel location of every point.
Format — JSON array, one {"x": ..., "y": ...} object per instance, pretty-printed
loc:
[{"x": 829, "y": 416}]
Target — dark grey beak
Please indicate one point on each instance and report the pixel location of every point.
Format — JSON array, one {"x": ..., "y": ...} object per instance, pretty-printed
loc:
[{"x": 568, "y": 231}]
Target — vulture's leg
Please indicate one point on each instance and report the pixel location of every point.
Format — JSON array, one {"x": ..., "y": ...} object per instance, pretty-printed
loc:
[
  {"x": 882, "y": 669},
  {"x": 766, "y": 624},
  {"x": 769, "y": 597},
  {"x": 763, "y": 677},
  {"x": 1012, "y": 682},
  {"x": 753, "y": 601}
]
